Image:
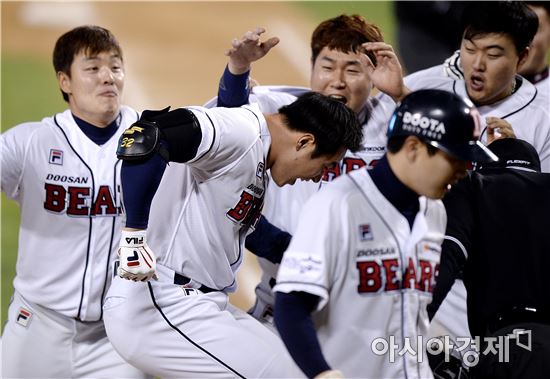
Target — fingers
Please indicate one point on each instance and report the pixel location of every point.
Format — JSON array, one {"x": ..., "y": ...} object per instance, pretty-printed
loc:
[
  {"x": 270, "y": 43},
  {"x": 498, "y": 128}
]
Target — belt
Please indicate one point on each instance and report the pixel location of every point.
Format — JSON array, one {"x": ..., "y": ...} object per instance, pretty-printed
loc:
[
  {"x": 518, "y": 315},
  {"x": 180, "y": 280},
  {"x": 184, "y": 280}
]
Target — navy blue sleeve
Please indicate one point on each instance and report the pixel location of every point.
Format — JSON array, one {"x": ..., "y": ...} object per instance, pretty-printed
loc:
[
  {"x": 268, "y": 241},
  {"x": 233, "y": 90},
  {"x": 293, "y": 321},
  {"x": 140, "y": 181}
]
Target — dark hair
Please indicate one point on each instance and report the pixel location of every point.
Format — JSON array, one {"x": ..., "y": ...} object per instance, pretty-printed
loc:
[
  {"x": 331, "y": 122},
  {"x": 89, "y": 38},
  {"x": 344, "y": 33},
  {"x": 395, "y": 143},
  {"x": 513, "y": 18}
]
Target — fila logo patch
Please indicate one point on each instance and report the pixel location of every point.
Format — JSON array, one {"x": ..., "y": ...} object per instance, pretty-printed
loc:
[
  {"x": 365, "y": 232},
  {"x": 24, "y": 317},
  {"x": 134, "y": 240},
  {"x": 56, "y": 157},
  {"x": 133, "y": 260}
]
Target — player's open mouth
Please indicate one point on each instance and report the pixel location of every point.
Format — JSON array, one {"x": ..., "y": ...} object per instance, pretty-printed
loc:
[
  {"x": 339, "y": 98},
  {"x": 476, "y": 82}
]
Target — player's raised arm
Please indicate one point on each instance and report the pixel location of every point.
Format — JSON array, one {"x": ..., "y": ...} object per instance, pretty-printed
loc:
[
  {"x": 233, "y": 89},
  {"x": 156, "y": 138}
]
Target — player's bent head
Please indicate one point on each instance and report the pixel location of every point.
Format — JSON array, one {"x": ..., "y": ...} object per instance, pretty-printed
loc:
[
  {"x": 333, "y": 125},
  {"x": 344, "y": 33},
  {"x": 90, "y": 39},
  {"x": 512, "y": 18},
  {"x": 432, "y": 135}
]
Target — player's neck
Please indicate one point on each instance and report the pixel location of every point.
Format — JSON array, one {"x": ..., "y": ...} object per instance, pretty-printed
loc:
[{"x": 98, "y": 120}]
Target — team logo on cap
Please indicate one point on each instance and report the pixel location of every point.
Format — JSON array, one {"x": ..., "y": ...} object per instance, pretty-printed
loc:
[
  {"x": 365, "y": 232},
  {"x": 24, "y": 317},
  {"x": 56, "y": 157},
  {"x": 423, "y": 126}
]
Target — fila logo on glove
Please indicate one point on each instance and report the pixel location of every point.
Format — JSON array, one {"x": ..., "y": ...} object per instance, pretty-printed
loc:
[{"x": 134, "y": 240}]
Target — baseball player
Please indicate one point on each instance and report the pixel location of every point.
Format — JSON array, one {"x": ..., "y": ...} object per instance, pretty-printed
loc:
[
  {"x": 366, "y": 250},
  {"x": 495, "y": 44},
  {"x": 64, "y": 174},
  {"x": 505, "y": 273},
  {"x": 182, "y": 324},
  {"x": 339, "y": 70}
]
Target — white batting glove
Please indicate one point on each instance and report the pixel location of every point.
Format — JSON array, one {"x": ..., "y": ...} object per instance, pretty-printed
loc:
[
  {"x": 330, "y": 374},
  {"x": 137, "y": 261}
]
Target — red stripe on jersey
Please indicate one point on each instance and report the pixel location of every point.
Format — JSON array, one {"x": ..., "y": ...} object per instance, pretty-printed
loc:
[
  {"x": 136, "y": 263},
  {"x": 24, "y": 312}
]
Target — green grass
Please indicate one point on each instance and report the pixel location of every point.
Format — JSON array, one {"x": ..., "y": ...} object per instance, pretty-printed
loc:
[{"x": 29, "y": 93}]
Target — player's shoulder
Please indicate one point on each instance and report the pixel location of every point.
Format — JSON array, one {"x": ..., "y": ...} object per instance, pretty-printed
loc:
[
  {"x": 29, "y": 128},
  {"x": 344, "y": 187},
  {"x": 271, "y": 98},
  {"x": 432, "y": 77},
  {"x": 243, "y": 123}
]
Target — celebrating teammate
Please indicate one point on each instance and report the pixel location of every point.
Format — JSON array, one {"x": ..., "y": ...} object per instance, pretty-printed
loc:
[
  {"x": 64, "y": 174},
  {"x": 494, "y": 46},
  {"x": 365, "y": 253},
  {"x": 339, "y": 70},
  {"x": 182, "y": 324}
]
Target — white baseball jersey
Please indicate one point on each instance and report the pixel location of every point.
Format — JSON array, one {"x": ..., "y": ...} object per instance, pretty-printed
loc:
[
  {"x": 68, "y": 189},
  {"x": 373, "y": 274},
  {"x": 199, "y": 218},
  {"x": 283, "y": 204},
  {"x": 202, "y": 209},
  {"x": 526, "y": 109}
]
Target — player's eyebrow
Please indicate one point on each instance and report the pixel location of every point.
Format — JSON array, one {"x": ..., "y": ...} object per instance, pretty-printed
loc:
[
  {"x": 495, "y": 46},
  {"x": 347, "y": 63}
]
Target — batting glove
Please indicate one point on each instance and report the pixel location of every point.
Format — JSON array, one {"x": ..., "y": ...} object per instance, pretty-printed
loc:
[
  {"x": 330, "y": 374},
  {"x": 137, "y": 261}
]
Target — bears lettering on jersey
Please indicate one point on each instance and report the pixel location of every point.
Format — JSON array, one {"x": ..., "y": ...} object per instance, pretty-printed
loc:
[
  {"x": 375, "y": 275},
  {"x": 74, "y": 201},
  {"x": 248, "y": 210},
  {"x": 345, "y": 166}
]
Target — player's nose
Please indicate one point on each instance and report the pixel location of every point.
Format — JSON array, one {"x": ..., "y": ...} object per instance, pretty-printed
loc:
[{"x": 106, "y": 75}]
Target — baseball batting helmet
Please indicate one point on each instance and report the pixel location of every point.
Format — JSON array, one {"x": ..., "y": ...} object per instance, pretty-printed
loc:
[{"x": 443, "y": 120}]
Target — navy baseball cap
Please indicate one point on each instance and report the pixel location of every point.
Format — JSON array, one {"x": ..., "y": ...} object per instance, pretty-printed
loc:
[{"x": 443, "y": 120}]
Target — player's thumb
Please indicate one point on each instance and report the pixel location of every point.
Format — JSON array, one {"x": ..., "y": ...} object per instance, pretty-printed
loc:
[{"x": 270, "y": 43}]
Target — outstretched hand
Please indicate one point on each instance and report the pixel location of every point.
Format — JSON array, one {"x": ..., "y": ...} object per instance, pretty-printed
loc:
[
  {"x": 249, "y": 48},
  {"x": 387, "y": 75}
]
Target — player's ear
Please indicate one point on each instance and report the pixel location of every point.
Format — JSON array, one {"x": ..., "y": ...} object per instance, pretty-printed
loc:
[
  {"x": 305, "y": 140},
  {"x": 411, "y": 147},
  {"x": 523, "y": 57},
  {"x": 64, "y": 82}
]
